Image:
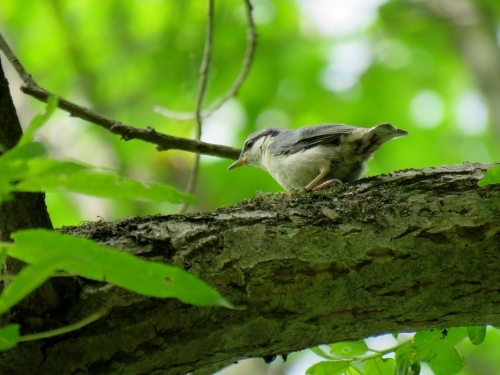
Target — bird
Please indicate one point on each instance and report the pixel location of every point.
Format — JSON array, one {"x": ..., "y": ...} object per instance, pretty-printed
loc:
[{"x": 317, "y": 156}]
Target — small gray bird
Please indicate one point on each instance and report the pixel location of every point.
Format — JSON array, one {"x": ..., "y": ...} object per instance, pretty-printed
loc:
[{"x": 313, "y": 157}]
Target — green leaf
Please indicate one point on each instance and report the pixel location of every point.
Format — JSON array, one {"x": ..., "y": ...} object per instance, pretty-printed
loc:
[
  {"x": 415, "y": 368},
  {"x": 328, "y": 368},
  {"x": 3, "y": 255},
  {"x": 27, "y": 151},
  {"x": 476, "y": 334},
  {"x": 30, "y": 278},
  {"x": 319, "y": 352},
  {"x": 44, "y": 174},
  {"x": 379, "y": 366},
  {"x": 64, "y": 329},
  {"x": 349, "y": 349},
  {"x": 104, "y": 185},
  {"x": 38, "y": 121},
  {"x": 404, "y": 359},
  {"x": 4, "y": 190},
  {"x": 438, "y": 350},
  {"x": 19, "y": 169},
  {"x": 492, "y": 176},
  {"x": 88, "y": 259},
  {"x": 9, "y": 336}
]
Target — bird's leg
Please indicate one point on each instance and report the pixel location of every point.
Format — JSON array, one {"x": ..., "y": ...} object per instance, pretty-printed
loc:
[
  {"x": 310, "y": 185},
  {"x": 327, "y": 184}
]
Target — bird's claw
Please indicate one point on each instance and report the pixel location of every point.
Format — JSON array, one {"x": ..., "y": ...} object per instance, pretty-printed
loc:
[
  {"x": 291, "y": 192},
  {"x": 327, "y": 184}
]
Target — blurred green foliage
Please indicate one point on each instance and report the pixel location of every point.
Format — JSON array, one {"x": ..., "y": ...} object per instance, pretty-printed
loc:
[{"x": 409, "y": 65}]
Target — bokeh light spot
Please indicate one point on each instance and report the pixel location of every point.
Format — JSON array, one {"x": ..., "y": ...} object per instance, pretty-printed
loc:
[{"x": 427, "y": 109}]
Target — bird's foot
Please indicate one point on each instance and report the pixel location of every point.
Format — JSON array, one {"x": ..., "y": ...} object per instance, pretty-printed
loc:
[
  {"x": 327, "y": 184},
  {"x": 293, "y": 191}
]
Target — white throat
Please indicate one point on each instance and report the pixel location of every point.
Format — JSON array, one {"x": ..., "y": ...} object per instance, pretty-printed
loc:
[{"x": 258, "y": 155}]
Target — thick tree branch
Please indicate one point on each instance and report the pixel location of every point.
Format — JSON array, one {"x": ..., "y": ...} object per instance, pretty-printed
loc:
[
  {"x": 162, "y": 141},
  {"x": 409, "y": 251}
]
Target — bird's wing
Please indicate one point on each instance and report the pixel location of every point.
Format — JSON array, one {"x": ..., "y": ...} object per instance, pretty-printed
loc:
[{"x": 310, "y": 136}]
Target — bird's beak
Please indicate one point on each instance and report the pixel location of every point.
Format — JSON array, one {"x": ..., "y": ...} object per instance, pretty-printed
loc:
[{"x": 238, "y": 163}]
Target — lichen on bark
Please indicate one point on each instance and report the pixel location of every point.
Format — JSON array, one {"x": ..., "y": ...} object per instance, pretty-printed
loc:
[{"x": 417, "y": 249}]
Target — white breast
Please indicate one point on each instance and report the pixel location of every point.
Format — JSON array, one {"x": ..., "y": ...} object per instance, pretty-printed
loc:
[{"x": 299, "y": 169}]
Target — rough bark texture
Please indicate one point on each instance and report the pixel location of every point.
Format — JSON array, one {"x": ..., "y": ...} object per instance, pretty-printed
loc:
[
  {"x": 25, "y": 210},
  {"x": 409, "y": 251}
]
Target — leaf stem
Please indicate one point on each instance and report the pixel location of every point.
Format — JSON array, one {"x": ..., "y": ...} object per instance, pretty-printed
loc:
[{"x": 65, "y": 329}]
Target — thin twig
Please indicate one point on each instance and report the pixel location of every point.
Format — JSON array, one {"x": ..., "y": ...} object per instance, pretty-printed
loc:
[
  {"x": 23, "y": 74},
  {"x": 205, "y": 65},
  {"x": 238, "y": 82},
  {"x": 162, "y": 141}
]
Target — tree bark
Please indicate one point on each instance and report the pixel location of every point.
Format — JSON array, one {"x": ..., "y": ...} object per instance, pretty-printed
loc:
[
  {"x": 409, "y": 251},
  {"x": 24, "y": 210}
]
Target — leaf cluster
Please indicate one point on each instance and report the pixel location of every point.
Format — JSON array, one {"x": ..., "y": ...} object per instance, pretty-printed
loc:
[{"x": 436, "y": 348}]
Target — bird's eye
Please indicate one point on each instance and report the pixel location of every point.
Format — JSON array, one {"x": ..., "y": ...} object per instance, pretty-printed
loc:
[{"x": 249, "y": 143}]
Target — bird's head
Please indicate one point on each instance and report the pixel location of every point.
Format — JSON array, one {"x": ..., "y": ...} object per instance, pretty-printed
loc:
[{"x": 254, "y": 148}]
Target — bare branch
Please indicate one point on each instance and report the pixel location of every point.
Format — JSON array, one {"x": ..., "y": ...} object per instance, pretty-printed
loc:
[
  {"x": 23, "y": 74},
  {"x": 205, "y": 65},
  {"x": 233, "y": 91},
  {"x": 162, "y": 141}
]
